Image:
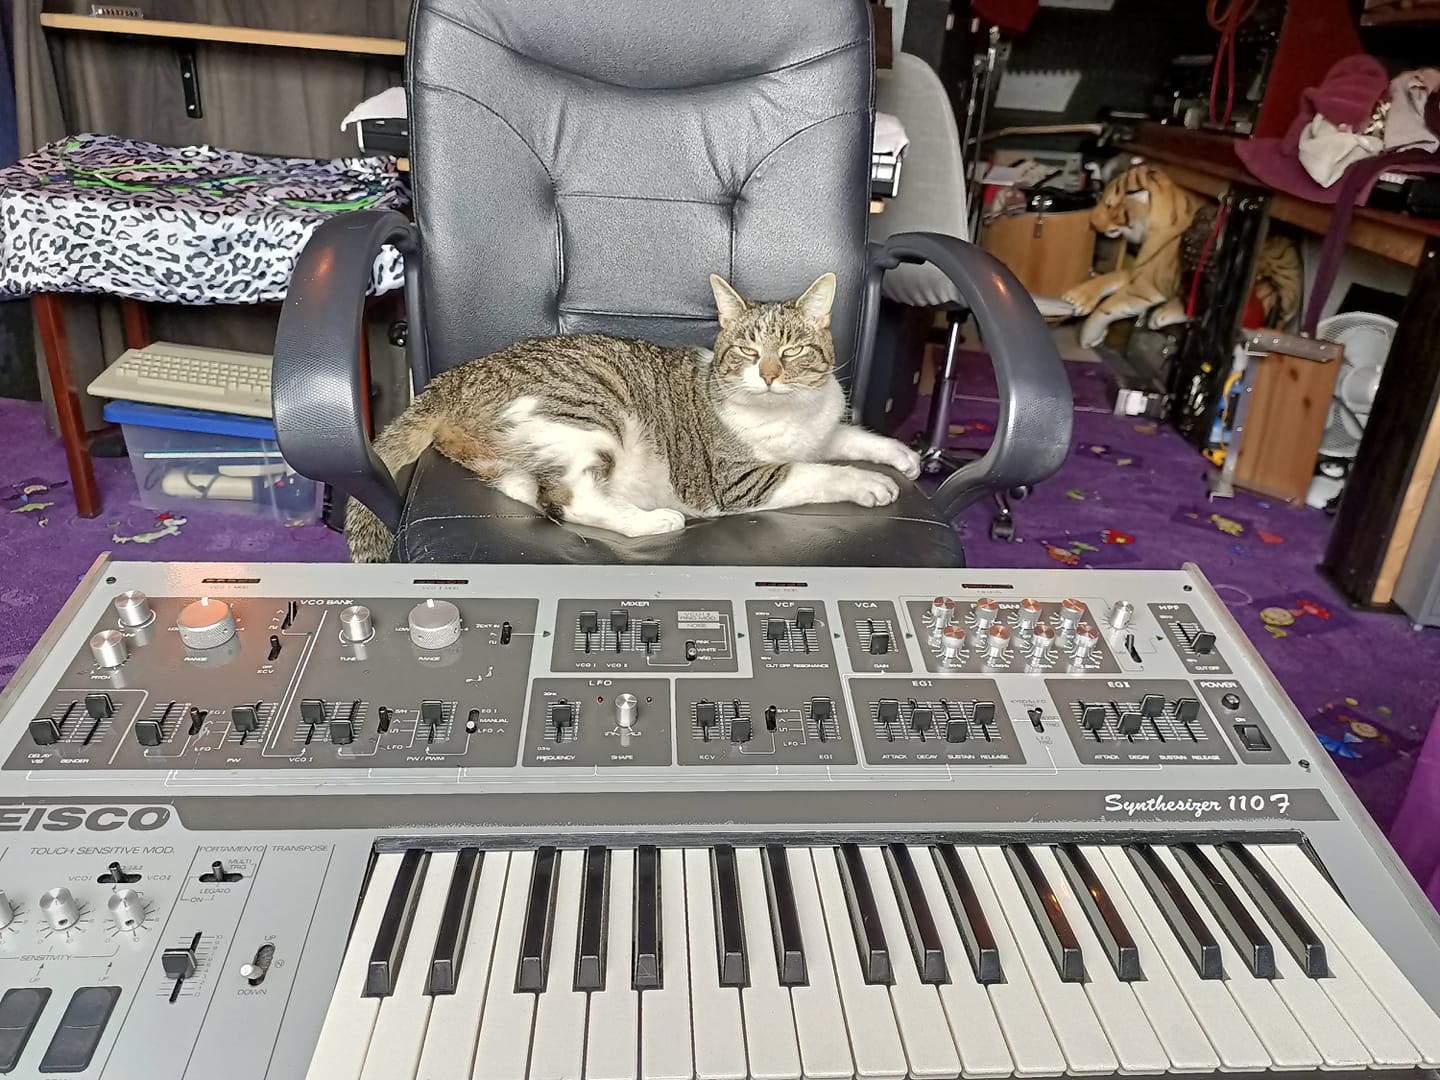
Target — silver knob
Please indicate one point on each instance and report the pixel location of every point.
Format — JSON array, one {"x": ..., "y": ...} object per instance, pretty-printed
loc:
[
  {"x": 1029, "y": 614},
  {"x": 435, "y": 624},
  {"x": 356, "y": 625},
  {"x": 108, "y": 648},
  {"x": 59, "y": 909},
  {"x": 985, "y": 611},
  {"x": 7, "y": 913},
  {"x": 1042, "y": 640},
  {"x": 942, "y": 610},
  {"x": 1120, "y": 615},
  {"x": 627, "y": 710},
  {"x": 1071, "y": 612},
  {"x": 953, "y": 642},
  {"x": 206, "y": 623},
  {"x": 1086, "y": 637},
  {"x": 127, "y": 909},
  {"x": 998, "y": 639},
  {"x": 132, "y": 608}
]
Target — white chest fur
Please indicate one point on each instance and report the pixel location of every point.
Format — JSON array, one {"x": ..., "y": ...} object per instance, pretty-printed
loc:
[{"x": 794, "y": 427}]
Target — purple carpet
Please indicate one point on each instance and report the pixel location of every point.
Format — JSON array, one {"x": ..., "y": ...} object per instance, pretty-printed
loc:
[{"x": 1130, "y": 495}]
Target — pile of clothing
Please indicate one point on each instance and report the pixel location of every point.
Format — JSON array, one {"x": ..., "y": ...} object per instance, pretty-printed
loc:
[{"x": 1357, "y": 113}]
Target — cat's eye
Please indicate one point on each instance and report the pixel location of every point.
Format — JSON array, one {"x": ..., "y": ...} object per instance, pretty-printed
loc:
[
  {"x": 792, "y": 351},
  {"x": 748, "y": 352}
]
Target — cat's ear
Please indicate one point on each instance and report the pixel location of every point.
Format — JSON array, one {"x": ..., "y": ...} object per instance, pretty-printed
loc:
[
  {"x": 814, "y": 302},
  {"x": 727, "y": 301}
]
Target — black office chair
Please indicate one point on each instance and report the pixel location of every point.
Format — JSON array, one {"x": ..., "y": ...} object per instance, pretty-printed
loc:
[{"x": 585, "y": 167}]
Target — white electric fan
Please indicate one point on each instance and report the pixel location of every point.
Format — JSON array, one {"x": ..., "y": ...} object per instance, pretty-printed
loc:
[{"x": 1366, "y": 337}]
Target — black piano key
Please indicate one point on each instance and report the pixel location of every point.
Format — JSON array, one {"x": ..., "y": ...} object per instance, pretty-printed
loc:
[
  {"x": 784, "y": 918},
  {"x": 970, "y": 917},
  {"x": 1284, "y": 918},
  {"x": 1055, "y": 928},
  {"x": 729, "y": 925},
  {"x": 533, "y": 972},
  {"x": 1184, "y": 921},
  {"x": 646, "y": 974},
  {"x": 594, "y": 917},
  {"x": 454, "y": 923},
  {"x": 394, "y": 930},
  {"x": 916, "y": 915},
  {"x": 864, "y": 916},
  {"x": 1110, "y": 929},
  {"x": 1229, "y": 911}
]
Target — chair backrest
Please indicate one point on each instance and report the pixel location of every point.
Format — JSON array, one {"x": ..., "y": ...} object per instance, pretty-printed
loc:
[{"x": 585, "y": 166}]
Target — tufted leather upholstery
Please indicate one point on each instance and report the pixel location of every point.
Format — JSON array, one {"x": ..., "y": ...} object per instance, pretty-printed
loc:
[
  {"x": 451, "y": 516},
  {"x": 585, "y": 166}
]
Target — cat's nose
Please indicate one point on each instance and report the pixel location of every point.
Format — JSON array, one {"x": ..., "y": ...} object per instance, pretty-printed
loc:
[{"x": 769, "y": 378}]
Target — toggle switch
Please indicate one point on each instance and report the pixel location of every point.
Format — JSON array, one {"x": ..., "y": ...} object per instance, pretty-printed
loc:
[
  {"x": 691, "y": 652},
  {"x": 258, "y": 966},
  {"x": 115, "y": 874},
  {"x": 771, "y": 715},
  {"x": 217, "y": 874},
  {"x": 506, "y": 633},
  {"x": 1252, "y": 738}
]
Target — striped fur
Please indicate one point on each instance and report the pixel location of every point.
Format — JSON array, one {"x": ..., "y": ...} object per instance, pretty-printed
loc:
[{"x": 632, "y": 436}]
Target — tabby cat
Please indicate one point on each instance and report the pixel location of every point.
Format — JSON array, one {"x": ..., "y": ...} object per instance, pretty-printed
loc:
[{"x": 633, "y": 437}]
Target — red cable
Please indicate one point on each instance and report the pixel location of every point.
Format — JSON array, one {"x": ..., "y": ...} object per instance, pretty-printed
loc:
[
  {"x": 1226, "y": 16},
  {"x": 1200, "y": 265}
]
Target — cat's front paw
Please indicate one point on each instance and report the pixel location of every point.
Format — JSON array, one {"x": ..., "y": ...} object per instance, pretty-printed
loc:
[
  {"x": 903, "y": 460},
  {"x": 866, "y": 488},
  {"x": 652, "y": 522}
]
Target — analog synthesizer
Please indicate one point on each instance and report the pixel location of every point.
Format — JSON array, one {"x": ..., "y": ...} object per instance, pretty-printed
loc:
[{"x": 551, "y": 822}]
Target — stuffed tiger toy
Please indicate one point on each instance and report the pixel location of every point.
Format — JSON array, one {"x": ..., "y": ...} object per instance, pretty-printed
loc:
[{"x": 1173, "y": 227}]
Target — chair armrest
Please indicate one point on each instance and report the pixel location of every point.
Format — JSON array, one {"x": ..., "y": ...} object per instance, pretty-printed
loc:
[
  {"x": 1036, "y": 405},
  {"x": 316, "y": 394}
]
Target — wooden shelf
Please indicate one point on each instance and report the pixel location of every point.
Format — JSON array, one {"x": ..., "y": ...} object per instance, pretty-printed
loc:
[
  {"x": 1206, "y": 162},
  {"x": 232, "y": 35}
]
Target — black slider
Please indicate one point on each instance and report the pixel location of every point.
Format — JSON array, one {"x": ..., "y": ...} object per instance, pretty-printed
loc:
[
  {"x": 620, "y": 621},
  {"x": 506, "y": 631},
  {"x": 822, "y": 711},
  {"x": 247, "y": 717},
  {"x": 1187, "y": 709},
  {"x": 1092, "y": 718},
  {"x": 879, "y": 643},
  {"x": 197, "y": 718},
  {"x": 342, "y": 732},
  {"x": 984, "y": 714},
  {"x": 44, "y": 731},
  {"x": 776, "y": 631},
  {"x": 922, "y": 718},
  {"x": 771, "y": 714},
  {"x": 384, "y": 715},
  {"x": 1203, "y": 643},
  {"x": 649, "y": 632},
  {"x": 740, "y": 730},
  {"x": 432, "y": 713},
  {"x": 179, "y": 962},
  {"x": 274, "y": 647},
  {"x": 589, "y": 622},
  {"x": 562, "y": 717},
  {"x": 99, "y": 706},
  {"x": 312, "y": 710},
  {"x": 956, "y": 730},
  {"x": 707, "y": 715},
  {"x": 1130, "y": 723},
  {"x": 149, "y": 732},
  {"x": 804, "y": 618},
  {"x": 1152, "y": 705}
]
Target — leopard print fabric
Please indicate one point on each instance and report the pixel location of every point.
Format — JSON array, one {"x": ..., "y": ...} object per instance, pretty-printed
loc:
[{"x": 186, "y": 225}]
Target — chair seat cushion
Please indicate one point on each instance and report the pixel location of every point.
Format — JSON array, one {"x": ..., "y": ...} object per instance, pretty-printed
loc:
[{"x": 453, "y": 517}]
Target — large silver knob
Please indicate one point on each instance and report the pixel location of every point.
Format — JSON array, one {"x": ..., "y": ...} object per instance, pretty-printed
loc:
[
  {"x": 1071, "y": 612},
  {"x": 7, "y": 912},
  {"x": 127, "y": 909},
  {"x": 953, "y": 642},
  {"x": 1086, "y": 638},
  {"x": 132, "y": 608},
  {"x": 59, "y": 908},
  {"x": 1029, "y": 615},
  {"x": 355, "y": 624},
  {"x": 986, "y": 610},
  {"x": 1042, "y": 641},
  {"x": 206, "y": 623},
  {"x": 627, "y": 710},
  {"x": 1120, "y": 614},
  {"x": 435, "y": 624},
  {"x": 942, "y": 610},
  {"x": 997, "y": 641},
  {"x": 108, "y": 648}
]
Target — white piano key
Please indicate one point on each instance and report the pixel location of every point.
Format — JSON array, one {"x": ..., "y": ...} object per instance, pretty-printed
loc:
[
  {"x": 405, "y": 1015},
  {"x": 1362, "y": 1011},
  {"x": 1336, "y": 1034},
  {"x": 503, "y": 1049},
  {"x": 973, "y": 1026},
  {"x": 455, "y": 1018},
  {"x": 923, "y": 1028},
  {"x": 818, "y": 1012},
  {"x": 345, "y": 1037},
  {"x": 1171, "y": 1016},
  {"x": 1135, "y": 1043},
  {"x": 1283, "y": 1035},
  {"x": 1308, "y": 887},
  {"x": 715, "y": 1010},
  {"x": 869, "y": 1017},
  {"x": 666, "y": 1051},
  {"x": 1081, "y": 1037},
  {"x": 613, "y": 1031},
  {"x": 769, "y": 1019},
  {"x": 1237, "y": 1043},
  {"x": 558, "y": 1050}
]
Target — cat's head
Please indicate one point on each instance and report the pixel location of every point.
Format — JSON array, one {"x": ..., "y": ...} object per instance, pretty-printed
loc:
[{"x": 773, "y": 347}]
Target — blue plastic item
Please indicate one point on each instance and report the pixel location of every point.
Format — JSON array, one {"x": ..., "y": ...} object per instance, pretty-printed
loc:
[{"x": 170, "y": 418}]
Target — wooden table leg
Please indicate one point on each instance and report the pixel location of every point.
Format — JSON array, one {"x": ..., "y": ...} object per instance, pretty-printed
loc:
[
  {"x": 53, "y": 339},
  {"x": 137, "y": 323}
]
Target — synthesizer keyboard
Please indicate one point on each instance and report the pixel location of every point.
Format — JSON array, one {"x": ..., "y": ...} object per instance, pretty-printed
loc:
[{"x": 535, "y": 823}]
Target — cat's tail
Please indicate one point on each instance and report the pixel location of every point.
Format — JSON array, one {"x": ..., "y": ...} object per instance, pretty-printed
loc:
[{"x": 398, "y": 445}]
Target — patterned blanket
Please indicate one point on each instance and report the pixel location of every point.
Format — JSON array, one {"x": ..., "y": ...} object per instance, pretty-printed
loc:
[{"x": 187, "y": 225}]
